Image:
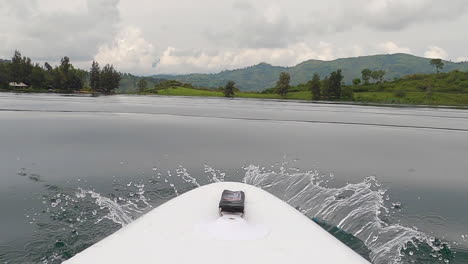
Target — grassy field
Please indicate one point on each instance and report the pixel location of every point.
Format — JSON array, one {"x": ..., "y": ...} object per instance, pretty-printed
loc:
[
  {"x": 183, "y": 91},
  {"x": 416, "y": 98},
  {"x": 409, "y": 98}
]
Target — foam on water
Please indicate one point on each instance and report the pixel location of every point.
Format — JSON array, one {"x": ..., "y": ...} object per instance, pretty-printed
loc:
[
  {"x": 78, "y": 218},
  {"x": 358, "y": 209},
  {"x": 116, "y": 213}
]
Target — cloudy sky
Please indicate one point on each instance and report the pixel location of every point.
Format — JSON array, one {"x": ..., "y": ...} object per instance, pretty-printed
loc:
[{"x": 184, "y": 36}]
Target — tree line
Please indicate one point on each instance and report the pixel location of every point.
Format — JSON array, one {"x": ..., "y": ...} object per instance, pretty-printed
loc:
[
  {"x": 367, "y": 74},
  {"x": 331, "y": 87},
  {"x": 63, "y": 78},
  {"x": 103, "y": 81},
  {"x": 328, "y": 88}
]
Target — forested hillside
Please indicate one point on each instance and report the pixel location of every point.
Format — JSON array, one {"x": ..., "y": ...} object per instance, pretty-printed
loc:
[{"x": 264, "y": 76}]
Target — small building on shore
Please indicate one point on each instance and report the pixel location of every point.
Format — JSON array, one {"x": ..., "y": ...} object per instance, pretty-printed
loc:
[{"x": 16, "y": 85}]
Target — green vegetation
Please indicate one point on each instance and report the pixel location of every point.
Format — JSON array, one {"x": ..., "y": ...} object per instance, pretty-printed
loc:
[
  {"x": 438, "y": 64},
  {"x": 367, "y": 74},
  {"x": 357, "y": 81},
  {"x": 109, "y": 80},
  {"x": 452, "y": 82},
  {"x": 263, "y": 76},
  {"x": 142, "y": 85},
  {"x": 363, "y": 97},
  {"x": 94, "y": 76},
  {"x": 431, "y": 89},
  {"x": 440, "y": 88},
  {"x": 184, "y": 91},
  {"x": 282, "y": 85},
  {"x": 417, "y": 98},
  {"x": 334, "y": 85},
  {"x": 129, "y": 83},
  {"x": 427, "y": 89},
  {"x": 163, "y": 86},
  {"x": 315, "y": 86},
  {"x": 21, "y": 75},
  {"x": 378, "y": 76},
  {"x": 229, "y": 89}
]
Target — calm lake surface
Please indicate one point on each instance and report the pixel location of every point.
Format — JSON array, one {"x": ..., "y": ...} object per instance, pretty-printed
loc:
[{"x": 75, "y": 169}]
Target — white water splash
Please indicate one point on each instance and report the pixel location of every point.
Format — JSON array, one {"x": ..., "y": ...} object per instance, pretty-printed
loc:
[
  {"x": 119, "y": 210},
  {"x": 116, "y": 212},
  {"x": 214, "y": 175},
  {"x": 355, "y": 208},
  {"x": 182, "y": 173}
]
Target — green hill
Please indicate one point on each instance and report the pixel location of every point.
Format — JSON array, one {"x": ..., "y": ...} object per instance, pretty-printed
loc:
[
  {"x": 417, "y": 89},
  {"x": 263, "y": 75},
  {"x": 129, "y": 83}
]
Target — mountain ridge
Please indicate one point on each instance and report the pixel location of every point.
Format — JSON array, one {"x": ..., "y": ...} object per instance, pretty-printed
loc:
[{"x": 263, "y": 75}]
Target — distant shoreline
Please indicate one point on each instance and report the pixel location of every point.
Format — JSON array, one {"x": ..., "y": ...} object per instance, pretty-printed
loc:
[{"x": 356, "y": 103}]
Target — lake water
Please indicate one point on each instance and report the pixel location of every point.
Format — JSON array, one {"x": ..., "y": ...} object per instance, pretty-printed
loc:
[{"x": 75, "y": 169}]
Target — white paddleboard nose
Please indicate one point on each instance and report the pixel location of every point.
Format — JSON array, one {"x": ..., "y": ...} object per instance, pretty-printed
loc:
[{"x": 231, "y": 227}]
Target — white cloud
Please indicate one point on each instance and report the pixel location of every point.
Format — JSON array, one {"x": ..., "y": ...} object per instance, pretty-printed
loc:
[
  {"x": 234, "y": 33},
  {"x": 391, "y": 47},
  {"x": 174, "y": 61},
  {"x": 265, "y": 27},
  {"x": 357, "y": 51},
  {"x": 129, "y": 52},
  {"x": 435, "y": 52},
  {"x": 399, "y": 14},
  {"x": 50, "y": 29},
  {"x": 460, "y": 59}
]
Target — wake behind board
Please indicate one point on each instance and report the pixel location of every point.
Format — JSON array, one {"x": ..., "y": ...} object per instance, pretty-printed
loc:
[{"x": 189, "y": 229}]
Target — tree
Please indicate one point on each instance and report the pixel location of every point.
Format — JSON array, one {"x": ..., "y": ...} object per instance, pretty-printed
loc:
[
  {"x": 109, "y": 79},
  {"x": 74, "y": 83},
  {"x": 142, "y": 85},
  {"x": 315, "y": 87},
  {"x": 47, "y": 66},
  {"x": 326, "y": 88},
  {"x": 438, "y": 64},
  {"x": 229, "y": 89},
  {"x": 94, "y": 77},
  {"x": 366, "y": 74},
  {"x": 336, "y": 78},
  {"x": 65, "y": 79},
  {"x": 381, "y": 75},
  {"x": 282, "y": 85},
  {"x": 16, "y": 57},
  {"x": 4, "y": 75},
  {"x": 65, "y": 65},
  {"x": 38, "y": 78},
  {"x": 357, "y": 81},
  {"x": 20, "y": 68},
  {"x": 15, "y": 68},
  {"x": 378, "y": 75}
]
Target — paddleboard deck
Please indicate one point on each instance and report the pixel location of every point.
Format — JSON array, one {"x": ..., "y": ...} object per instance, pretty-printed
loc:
[{"x": 189, "y": 229}]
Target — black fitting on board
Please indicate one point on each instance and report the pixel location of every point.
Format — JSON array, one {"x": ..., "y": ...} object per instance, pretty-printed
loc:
[{"x": 232, "y": 202}]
